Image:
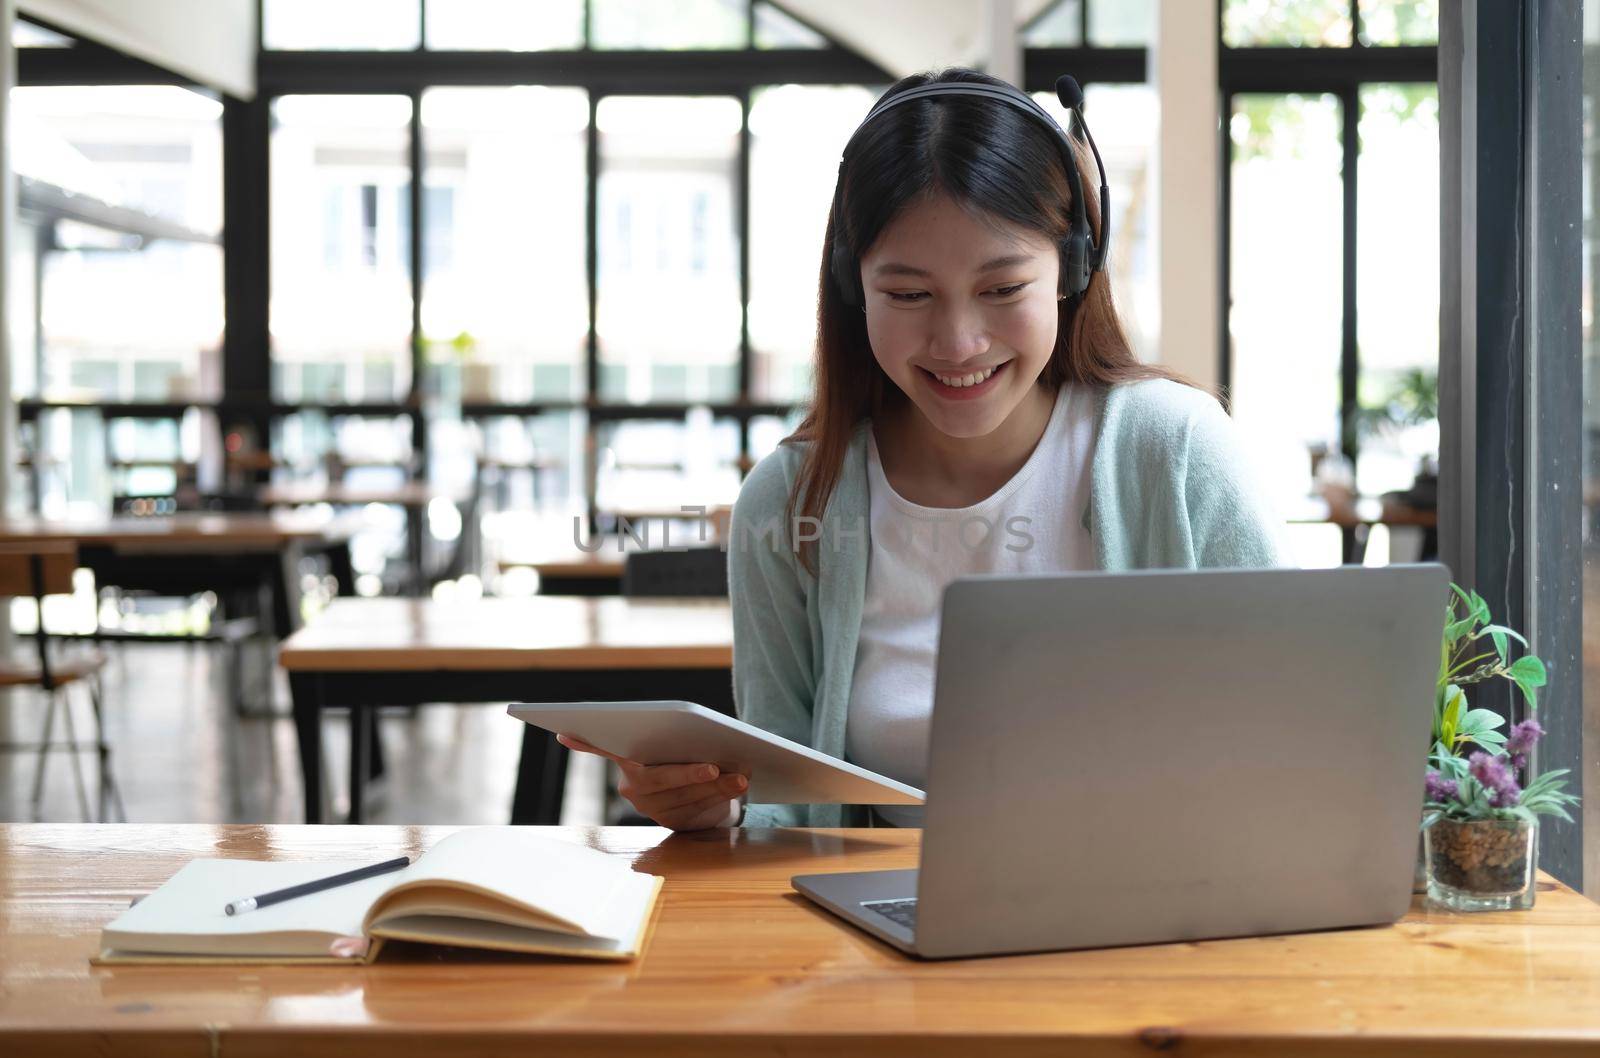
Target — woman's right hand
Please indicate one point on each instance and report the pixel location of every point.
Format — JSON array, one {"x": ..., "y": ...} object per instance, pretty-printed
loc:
[{"x": 677, "y": 796}]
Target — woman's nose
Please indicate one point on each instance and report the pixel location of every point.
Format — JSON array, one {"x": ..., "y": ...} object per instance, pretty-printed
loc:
[{"x": 958, "y": 335}]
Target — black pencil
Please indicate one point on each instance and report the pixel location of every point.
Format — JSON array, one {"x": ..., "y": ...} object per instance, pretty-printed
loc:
[{"x": 277, "y": 896}]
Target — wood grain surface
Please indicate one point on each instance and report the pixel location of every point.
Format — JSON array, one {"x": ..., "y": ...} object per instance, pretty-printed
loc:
[
  {"x": 554, "y": 631},
  {"x": 738, "y": 964}
]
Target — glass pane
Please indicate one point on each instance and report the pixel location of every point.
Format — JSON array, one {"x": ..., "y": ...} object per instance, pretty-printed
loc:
[
  {"x": 778, "y": 29},
  {"x": 505, "y": 305},
  {"x": 1059, "y": 27},
  {"x": 1284, "y": 324},
  {"x": 505, "y": 25},
  {"x": 1121, "y": 23},
  {"x": 797, "y": 133},
  {"x": 681, "y": 24},
  {"x": 1294, "y": 23},
  {"x": 668, "y": 248},
  {"x": 341, "y": 245},
  {"x": 155, "y": 152},
  {"x": 370, "y": 25},
  {"x": 1123, "y": 120},
  {"x": 533, "y": 463},
  {"x": 651, "y": 469},
  {"x": 1399, "y": 22},
  {"x": 1397, "y": 269}
]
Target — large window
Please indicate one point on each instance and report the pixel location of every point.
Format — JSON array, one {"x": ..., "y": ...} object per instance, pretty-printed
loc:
[
  {"x": 1331, "y": 308},
  {"x": 668, "y": 254},
  {"x": 505, "y": 25},
  {"x": 1397, "y": 289},
  {"x": 1124, "y": 121},
  {"x": 668, "y": 317},
  {"x": 121, "y": 206},
  {"x": 364, "y": 25},
  {"x": 341, "y": 244},
  {"x": 1286, "y": 265},
  {"x": 797, "y": 134},
  {"x": 505, "y": 307}
]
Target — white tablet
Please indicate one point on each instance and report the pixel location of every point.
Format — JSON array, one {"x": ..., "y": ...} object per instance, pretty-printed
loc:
[{"x": 780, "y": 771}]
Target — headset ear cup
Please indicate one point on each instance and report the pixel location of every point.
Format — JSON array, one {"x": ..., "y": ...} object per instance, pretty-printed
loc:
[{"x": 1075, "y": 266}]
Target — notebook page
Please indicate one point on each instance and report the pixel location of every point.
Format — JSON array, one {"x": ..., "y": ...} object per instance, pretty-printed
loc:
[
  {"x": 568, "y": 882},
  {"x": 185, "y": 915},
  {"x": 621, "y": 936}
]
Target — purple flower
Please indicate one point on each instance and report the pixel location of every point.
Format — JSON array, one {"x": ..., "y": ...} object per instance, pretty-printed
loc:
[
  {"x": 1505, "y": 796},
  {"x": 1496, "y": 778},
  {"x": 1439, "y": 788},
  {"x": 1521, "y": 740}
]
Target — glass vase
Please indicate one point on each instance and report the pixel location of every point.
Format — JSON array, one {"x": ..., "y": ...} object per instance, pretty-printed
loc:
[{"x": 1482, "y": 865}]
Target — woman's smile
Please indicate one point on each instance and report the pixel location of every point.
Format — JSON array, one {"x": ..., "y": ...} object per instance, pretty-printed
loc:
[{"x": 971, "y": 385}]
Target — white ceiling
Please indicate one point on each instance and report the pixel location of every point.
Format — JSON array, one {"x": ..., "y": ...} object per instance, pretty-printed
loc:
[
  {"x": 213, "y": 41},
  {"x": 906, "y": 36}
]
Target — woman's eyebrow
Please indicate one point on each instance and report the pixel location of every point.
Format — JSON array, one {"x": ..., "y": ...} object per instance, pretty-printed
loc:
[{"x": 1006, "y": 261}]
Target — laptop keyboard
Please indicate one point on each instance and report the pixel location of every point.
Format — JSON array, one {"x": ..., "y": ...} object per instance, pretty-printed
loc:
[{"x": 900, "y": 912}]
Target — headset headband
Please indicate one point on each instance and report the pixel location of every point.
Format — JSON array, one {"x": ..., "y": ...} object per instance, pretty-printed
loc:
[{"x": 1080, "y": 255}]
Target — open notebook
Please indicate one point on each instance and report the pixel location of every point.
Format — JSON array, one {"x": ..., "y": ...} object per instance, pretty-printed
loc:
[{"x": 485, "y": 888}]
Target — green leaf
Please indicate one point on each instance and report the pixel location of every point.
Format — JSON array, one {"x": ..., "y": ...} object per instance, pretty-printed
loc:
[
  {"x": 1480, "y": 720},
  {"x": 1528, "y": 673},
  {"x": 1528, "y": 669},
  {"x": 1480, "y": 609},
  {"x": 1503, "y": 630},
  {"x": 1455, "y": 703}
]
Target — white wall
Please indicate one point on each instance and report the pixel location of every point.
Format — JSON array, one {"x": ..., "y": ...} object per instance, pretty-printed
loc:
[
  {"x": 1187, "y": 214},
  {"x": 907, "y": 36},
  {"x": 212, "y": 41}
]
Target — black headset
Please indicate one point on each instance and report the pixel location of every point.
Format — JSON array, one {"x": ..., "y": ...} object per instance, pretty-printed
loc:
[{"x": 1080, "y": 256}]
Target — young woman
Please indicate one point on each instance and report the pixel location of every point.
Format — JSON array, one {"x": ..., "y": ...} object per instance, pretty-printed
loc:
[{"x": 976, "y": 408}]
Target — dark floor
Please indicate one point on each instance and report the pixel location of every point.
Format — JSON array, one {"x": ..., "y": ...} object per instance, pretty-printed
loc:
[{"x": 181, "y": 755}]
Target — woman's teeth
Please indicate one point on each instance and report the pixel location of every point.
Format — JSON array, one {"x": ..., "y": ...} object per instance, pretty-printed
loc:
[{"x": 961, "y": 381}]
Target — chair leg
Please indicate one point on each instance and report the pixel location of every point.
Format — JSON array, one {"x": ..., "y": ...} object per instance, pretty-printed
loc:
[
  {"x": 77, "y": 761},
  {"x": 44, "y": 751},
  {"x": 108, "y": 781}
]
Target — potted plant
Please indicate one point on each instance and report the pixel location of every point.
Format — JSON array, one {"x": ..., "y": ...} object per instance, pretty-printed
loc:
[{"x": 1480, "y": 825}]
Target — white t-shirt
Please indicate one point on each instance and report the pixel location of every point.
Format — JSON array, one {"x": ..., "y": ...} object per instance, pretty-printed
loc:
[{"x": 1031, "y": 524}]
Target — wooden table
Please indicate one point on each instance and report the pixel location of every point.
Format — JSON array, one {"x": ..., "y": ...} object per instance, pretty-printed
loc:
[
  {"x": 413, "y": 496},
  {"x": 567, "y": 569},
  {"x": 1356, "y": 519},
  {"x": 367, "y": 653},
  {"x": 739, "y": 965},
  {"x": 182, "y": 554}
]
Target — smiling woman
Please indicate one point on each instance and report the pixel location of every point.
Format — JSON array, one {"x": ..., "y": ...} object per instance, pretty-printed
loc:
[{"x": 976, "y": 408}]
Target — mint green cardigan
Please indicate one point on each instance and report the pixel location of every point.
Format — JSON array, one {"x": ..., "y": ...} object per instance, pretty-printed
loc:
[{"x": 1168, "y": 488}]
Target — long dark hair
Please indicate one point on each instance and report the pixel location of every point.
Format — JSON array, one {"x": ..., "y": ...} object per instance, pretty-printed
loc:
[{"x": 988, "y": 156}]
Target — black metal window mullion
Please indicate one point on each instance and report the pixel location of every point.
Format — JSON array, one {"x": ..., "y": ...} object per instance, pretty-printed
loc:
[
  {"x": 745, "y": 354},
  {"x": 588, "y": 24},
  {"x": 1225, "y": 252},
  {"x": 1349, "y": 346},
  {"x": 415, "y": 264},
  {"x": 1349, "y": 352},
  {"x": 591, "y": 264}
]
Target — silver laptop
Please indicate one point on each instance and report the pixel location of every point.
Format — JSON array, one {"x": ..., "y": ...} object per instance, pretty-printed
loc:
[{"x": 1136, "y": 758}]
